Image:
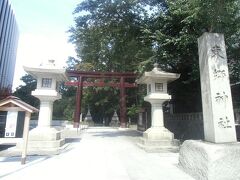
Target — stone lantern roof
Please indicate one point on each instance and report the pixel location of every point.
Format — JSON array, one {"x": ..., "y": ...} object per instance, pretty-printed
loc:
[
  {"x": 49, "y": 69},
  {"x": 158, "y": 74}
]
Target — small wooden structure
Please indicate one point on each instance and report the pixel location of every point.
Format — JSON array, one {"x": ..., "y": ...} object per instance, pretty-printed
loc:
[{"x": 14, "y": 104}]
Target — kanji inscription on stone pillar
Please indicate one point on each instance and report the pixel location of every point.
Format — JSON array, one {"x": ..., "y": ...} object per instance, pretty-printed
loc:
[{"x": 218, "y": 117}]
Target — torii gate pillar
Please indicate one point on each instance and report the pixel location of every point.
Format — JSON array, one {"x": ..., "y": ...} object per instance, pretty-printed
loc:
[
  {"x": 81, "y": 75},
  {"x": 123, "y": 110}
]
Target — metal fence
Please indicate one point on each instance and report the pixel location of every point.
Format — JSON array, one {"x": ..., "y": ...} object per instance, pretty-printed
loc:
[
  {"x": 196, "y": 116},
  {"x": 184, "y": 116},
  {"x": 185, "y": 125}
]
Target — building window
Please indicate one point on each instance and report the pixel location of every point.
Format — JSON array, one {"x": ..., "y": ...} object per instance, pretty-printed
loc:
[
  {"x": 46, "y": 82},
  {"x": 158, "y": 87}
]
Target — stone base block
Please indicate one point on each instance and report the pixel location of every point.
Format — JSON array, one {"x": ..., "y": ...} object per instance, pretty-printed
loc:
[
  {"x": 158, "y": 140},
  {"x": 159, "y": 145},
  {"x": 160, "y": 133},
  {"x": 43, "y": 141},
  {"x": 210, "y": 161},
  {"x": 43, "y": 144},
  {"x": 44, "y": 134},
  {"x": 43, "y": 147},
  {"x": 17, "y": 151}
]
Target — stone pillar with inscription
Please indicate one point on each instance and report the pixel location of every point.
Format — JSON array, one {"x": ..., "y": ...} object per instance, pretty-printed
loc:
[
  {"x": 218, "y": 156},
  {"x": 218, "y": 117}
]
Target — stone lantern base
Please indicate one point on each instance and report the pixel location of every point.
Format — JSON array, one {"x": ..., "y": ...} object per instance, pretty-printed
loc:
[
  {"x": 88, "y": 119},
  {"x": 115, "y": 120},
  {"x": 44, "y": 141},
  {"x": 159, "y": 139}
]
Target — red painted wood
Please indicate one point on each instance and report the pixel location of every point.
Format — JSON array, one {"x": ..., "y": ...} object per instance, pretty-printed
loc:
[
  {"x": 78, "y": 103},
  {"x": 100, "y": 84},
  {"x": 100, "y": 75},
  {"x": 72, "y": 73},
  {"x": 123, "y": 109}
]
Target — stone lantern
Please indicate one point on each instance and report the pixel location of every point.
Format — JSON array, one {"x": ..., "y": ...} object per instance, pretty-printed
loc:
[
  {"x": 157, "y": 137},
  {"x": 88, "y": 118},
  {"x": 48, "y": 77}
]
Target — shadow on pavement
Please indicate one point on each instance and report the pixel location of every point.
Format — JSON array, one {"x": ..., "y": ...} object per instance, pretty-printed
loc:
[
  {"x": 18, "y": 158},
  {"x": 72, "y": 140},
  {"x": 31, "y": 161},
  {"x": 4, "y": 147}
]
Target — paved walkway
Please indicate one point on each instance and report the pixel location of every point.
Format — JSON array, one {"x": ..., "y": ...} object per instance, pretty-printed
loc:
[{"x": 100, "y": 154}]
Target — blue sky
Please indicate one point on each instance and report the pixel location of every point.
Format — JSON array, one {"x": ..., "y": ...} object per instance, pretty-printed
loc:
[
  {"x": 43, "y": 25},
  {"x": 44, "y": 15}
]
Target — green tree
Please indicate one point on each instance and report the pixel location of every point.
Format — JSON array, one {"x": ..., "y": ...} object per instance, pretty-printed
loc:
[
  {"x": 131, "y": 35},
  {"x": 107, "y": 35},
  {"x": 24, "y": 91},
  {"x": 64, "y": 108},
  {"x": 174, "y": 32}
]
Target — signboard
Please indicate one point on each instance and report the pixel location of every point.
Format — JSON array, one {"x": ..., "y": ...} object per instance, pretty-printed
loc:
[{"x": 11, "y": 124}]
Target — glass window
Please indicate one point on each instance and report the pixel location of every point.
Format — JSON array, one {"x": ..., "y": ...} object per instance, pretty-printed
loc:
[
  {"x": 46, "y": 82},
  {"x": 158, "y": 87}
]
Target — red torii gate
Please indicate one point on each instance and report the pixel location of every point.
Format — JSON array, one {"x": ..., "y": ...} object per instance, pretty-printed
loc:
[{"x": 80, "y": 75}]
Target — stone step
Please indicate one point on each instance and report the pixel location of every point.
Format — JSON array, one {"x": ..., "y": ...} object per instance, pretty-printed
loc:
[
  {"x": 159, "y": 149},
  {"x": 43, "y": 144},
  {"x": 16, "y": 151},
  {"x": 159, "y": 145},
  {"x": 164, "y": 142}
]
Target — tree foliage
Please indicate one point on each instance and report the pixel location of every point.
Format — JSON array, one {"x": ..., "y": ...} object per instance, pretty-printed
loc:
[
  {"x": 107, "y": 33},
  {"x": 24, "y": 91},
  {"x": 64, "y": 108},
  {"x": 131, "y": 35},
  {"x": 174, "y": 32}
]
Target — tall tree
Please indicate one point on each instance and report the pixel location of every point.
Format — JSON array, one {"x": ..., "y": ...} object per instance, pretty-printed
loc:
[
  {"x": 131, "y": 35},
  {"x": 107, "y": 36},
  {"x": 174, "y": 34},
  {"x": 107, "y": 33},
  {"x": 24, "y": 91}
]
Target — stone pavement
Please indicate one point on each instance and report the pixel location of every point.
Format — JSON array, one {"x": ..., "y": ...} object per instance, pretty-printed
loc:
[{"x": 99, "y": 154}]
